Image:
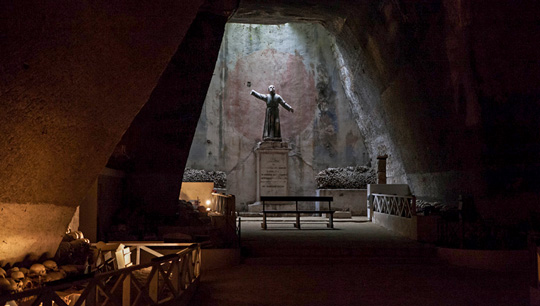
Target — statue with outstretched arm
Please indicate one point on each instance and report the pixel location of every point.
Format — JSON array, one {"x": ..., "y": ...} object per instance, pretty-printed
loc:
[{"x": 272, "y": 131}]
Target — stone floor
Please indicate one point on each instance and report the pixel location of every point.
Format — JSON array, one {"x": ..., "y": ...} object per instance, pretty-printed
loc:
[{"x": 357, "y": 263}]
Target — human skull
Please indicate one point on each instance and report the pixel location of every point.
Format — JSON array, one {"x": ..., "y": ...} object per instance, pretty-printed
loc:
[
  {"x": 17, "y": 276},
  {"x": 50, "y": 265},
  {"x": 5, "y": 285},
  {"x": 37, "y": 270},
  {"x": 14, "y": 269},
  {"x": 27, "y": 283},
  {"x": 2, "y": 273},
  {"x": 15, "y": 286},
  {"x": 74, "y": 235},
  {"x": 24, "y": 270},
  {"x": 71, "y": 236},
  {"x": 52, "y": 276}
]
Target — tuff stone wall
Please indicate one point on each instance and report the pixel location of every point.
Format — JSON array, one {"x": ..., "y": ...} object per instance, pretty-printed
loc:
[
  {"x": 298, "y": 60},
  {"x": 72, "y": 77},
  {"x": 450, "y": 87},
  {"x": 160, "y": 136},
  {"x": 445, "y": 88}
]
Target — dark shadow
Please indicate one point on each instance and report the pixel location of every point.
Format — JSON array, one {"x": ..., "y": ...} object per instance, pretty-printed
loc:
[{"x": 302, "y": 229}]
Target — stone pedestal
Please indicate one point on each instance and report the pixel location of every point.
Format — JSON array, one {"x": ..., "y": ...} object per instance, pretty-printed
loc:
[{"x": 272, "y": 168}]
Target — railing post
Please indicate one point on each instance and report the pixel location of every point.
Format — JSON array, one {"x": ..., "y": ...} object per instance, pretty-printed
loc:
[
  {"x": 47, "y": 299},
  {"x": 192, "y": 264},
  {"x": 370, "y": 206},
  {"x": 199, "y": 261},
  {"x": 91, "y": 297},
  {"x": 413, "y": 208},
  {"x": 239, "y": 232},
  {"x": 153, "y": 285},
  {"x": 184, "y": 271},
  {"x": 175, "y": 268},
  {"x": 126, "y": 290}
]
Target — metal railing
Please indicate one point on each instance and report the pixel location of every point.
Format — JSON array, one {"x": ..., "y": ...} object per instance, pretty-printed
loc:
[
  {"x": 397, "y": 205},
  {"x": 171, "y": 277}
]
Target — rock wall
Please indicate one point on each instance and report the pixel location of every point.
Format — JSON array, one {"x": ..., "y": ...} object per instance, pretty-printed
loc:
[
  {"x": 443, "y": 89},
  {"x": 160, "y": 136},
  {"x": 298, "y": 60},
  {"x": 72, "y": 77},
  {"x": 446, "y": 88}
]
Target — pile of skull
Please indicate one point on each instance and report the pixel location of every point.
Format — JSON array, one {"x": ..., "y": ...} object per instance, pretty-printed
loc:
[
  {"x": 18, "y": 279},
  {"x": 24, "y": 276}
]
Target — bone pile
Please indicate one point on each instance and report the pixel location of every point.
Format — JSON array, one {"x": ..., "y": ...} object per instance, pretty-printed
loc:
[
  {"x": 193, "y": 175},
  {"x": 434, "y": 207},
  {"x": 345, "y": 178},
  {"x": 17, "y": 279},
  {"x": 31, "y": 274}
]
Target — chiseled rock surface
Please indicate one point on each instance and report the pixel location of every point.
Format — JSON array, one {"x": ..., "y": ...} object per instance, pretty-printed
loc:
[
  {"x": 32, "y": 229},
  {"x": 73, "y": 77}
]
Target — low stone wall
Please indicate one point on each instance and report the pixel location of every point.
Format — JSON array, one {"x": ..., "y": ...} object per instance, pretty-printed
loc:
[
  {"x": 420, "y": 228},
  {"x": 353, "y": 200},
  {"x": 402, "y": 226}
]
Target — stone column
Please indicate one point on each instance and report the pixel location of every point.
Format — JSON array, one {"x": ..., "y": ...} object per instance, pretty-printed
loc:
[{"x": 381, "y": 169}]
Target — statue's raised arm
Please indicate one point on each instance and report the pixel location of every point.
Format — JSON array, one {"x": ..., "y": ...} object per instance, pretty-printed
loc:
[
  {"x": 272, "y": 131},
  {"x": 258, "y": 95}
]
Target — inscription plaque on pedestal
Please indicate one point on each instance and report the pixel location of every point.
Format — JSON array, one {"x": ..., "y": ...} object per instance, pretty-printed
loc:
[
  {"x": 273, "y": 176},
  {"x": 272, "y": 169}
]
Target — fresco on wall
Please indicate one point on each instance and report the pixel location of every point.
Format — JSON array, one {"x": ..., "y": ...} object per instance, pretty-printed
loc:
[{"x": 261, "y": 69}]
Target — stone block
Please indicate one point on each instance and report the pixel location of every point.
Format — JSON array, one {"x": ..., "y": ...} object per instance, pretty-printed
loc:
[{"x": 352, "y": 200}]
